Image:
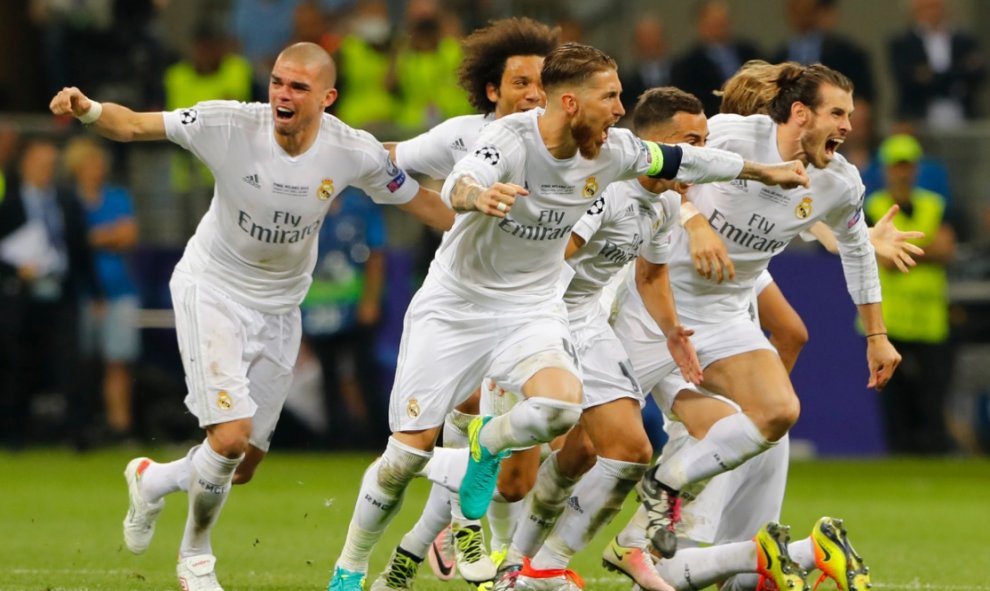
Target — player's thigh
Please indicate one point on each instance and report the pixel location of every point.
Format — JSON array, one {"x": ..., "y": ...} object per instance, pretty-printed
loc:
[
  {"x": 535, "y": 355},
  {"x": 741, "y": 364},
  {"x": 518, "y": 473},
  {"x": 213, "y": 333},
  {"x": 445, "y": 348},
  {"x": 270, "y": 374},
  {"x": 606, "y": 370}
]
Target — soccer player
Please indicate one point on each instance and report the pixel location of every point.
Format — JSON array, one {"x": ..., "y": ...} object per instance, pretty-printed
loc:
[
  {"x": 501, "y": 74},
  {"x": 491, "y": 305},
  {"x": 809, "y": 117},
  {"x": 627, "y": 221},
  {"x": 238, "y": 286}
]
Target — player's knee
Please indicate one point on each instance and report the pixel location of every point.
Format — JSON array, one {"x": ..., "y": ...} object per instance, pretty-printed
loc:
[
  {"x": 230, "y": 440},
  {"x": 780, "y": 419},
  {"x": 398, "y": 465},
  {"x": 515, "y": 484},
  {"x": 552, "y": 417},
  {"x": 633, "y": 448}
]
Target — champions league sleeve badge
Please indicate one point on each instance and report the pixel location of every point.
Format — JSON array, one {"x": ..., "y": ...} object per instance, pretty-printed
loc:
[
  {"x": 188, "y": 116},
  {"x": 489, "y": 154}
]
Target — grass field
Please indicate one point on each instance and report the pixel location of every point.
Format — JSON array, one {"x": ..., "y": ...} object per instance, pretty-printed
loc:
[{"x": 919, "y": 524}]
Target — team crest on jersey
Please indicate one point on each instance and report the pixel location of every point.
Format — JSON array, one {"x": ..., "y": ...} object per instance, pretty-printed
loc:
[
  {"x": 326, "y": 190},
  {"x": 590, "y": 187},
  {"x": 412, "y": 409},
  {"x": 803, "y": 210},
  {"x": 224, "y": 401}
]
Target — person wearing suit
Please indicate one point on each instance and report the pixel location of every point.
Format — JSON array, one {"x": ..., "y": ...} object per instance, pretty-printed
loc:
[
  {"x": 937, "y": 69},
  {"x": 45, "y": 264},
  {"x": 715, "y": 58},
  {"x": 652, "y": 64}
]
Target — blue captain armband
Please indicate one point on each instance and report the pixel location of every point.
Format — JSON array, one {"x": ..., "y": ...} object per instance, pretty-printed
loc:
[{"x": 664, "y": 160}]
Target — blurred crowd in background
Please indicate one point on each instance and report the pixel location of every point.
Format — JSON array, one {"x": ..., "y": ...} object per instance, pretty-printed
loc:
[{"x": 87, "y": 354}]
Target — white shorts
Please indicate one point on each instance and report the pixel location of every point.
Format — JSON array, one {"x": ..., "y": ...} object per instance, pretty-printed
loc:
[
  {"x": 608, "y": 372},
  {"x": 238, "y": 361},
  {"x": 449, "y": 344},
  {"x": 647, "y": 347}
]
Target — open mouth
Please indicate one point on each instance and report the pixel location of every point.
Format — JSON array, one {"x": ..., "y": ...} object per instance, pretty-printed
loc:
[
  {"x": 832, "y": 144},
  {"x": 284, "y": 114}
]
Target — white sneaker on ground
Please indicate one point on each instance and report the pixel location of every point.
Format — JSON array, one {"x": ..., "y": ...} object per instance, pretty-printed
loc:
[
  {"x": 197, "y": 573},
  {"x": 139, "y": 523}
]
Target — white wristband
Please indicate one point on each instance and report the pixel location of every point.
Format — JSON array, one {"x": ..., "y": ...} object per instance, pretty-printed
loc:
[
  {"x": 91, "y": 114},
  {"x": 688, "y": 211}
]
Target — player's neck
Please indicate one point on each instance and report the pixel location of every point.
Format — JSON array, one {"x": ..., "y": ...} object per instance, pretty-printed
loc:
[
  {"x": 557, "y": 137},
  {"x": 789, "y": 143},
  {"x": 297, "y": 143}
]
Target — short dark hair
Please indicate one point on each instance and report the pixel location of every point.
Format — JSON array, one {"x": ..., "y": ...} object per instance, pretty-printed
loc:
[
  {"x": 659, "y": 105},
  {"x": 487, "y": 49},
  {"x": 797, "y": 83},
  {"x": 573, "y": 63}
]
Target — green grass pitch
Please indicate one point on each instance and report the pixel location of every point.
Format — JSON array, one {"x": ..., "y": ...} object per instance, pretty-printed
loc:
[{"x": 920, "y": 524}]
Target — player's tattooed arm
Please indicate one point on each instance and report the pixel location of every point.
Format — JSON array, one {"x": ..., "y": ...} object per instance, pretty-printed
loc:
[
  {"x": 788, "y": 175},
  {"x": 496, "y": 201}
]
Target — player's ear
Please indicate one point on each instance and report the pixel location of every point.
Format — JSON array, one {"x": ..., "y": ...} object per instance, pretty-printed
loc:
[
  {"x": 799, "y": 112},
  {"x": 491, "y": 91},
  {"x": 569, "y": 103},
  {"x": 329, "y": 98}
]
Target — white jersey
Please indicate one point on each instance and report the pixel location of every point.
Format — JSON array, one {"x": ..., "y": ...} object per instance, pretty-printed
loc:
[
  {"x": 512, "y": 261},
  {"x": 257, "y": 243},
  {"x": 756, "y": 222},
  {"x": 625, "y": 222},
  {"x": 435, "y": 152}
]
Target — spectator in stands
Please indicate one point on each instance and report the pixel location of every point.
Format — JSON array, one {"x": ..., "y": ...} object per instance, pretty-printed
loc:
[
  {"x": 310, "y": 22},
  {"x": 363, "y": 64},
  {"x": 211, "y": 71},
  {"x": 916, "y": 309},
  {"x": 340, "y": 315},
  {"x": 651, "y": 63},
  {"x": 813, "y": 40},
  {"x": 938, "y": 70},
  {"x": 715, "y": 57},
  {"x": 45, "y": 265},
  {"x": 262, "y": 28},
  {"x": 425, "y": 70},
  {"x": 110, "y": 332}
]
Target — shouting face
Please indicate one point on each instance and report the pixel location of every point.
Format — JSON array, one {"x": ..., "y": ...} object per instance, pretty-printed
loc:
[
  {"x": 596, "y": 108},
  {"x": 825, "y": 128}
]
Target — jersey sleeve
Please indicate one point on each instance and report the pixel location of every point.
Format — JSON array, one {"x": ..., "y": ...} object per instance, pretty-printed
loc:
[
  {"x": 204, "y": 129},
  {"x": 497, "y": 157},
  {"x": 379, "y": 176},
  {"x": 656, "y": 249},
  {"x": 429, "y": 153},
  {"x": 592, "y": 219},
  {"x": 859, "y": 264}
]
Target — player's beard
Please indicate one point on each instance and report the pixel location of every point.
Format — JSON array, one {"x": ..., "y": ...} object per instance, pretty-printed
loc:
[{"x": 587, "y": 140}]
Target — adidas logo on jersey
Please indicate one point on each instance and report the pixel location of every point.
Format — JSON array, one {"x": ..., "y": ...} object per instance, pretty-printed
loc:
[
  {"x": 252, "y": 179},
  {"x": 458, "y": 144}
]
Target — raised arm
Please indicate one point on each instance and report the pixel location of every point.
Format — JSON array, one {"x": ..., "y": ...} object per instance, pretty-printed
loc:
[{"x": 110, "y": 120}]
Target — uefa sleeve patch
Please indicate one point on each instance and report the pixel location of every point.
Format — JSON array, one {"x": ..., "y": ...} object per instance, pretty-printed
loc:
[
  {"x": 855, "y": 218},
  {"x": 489, "y": 154}
]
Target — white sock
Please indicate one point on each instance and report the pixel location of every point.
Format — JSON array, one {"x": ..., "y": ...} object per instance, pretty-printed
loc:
[
  {"x": 729, "y": 442},
  {"x": 595, "y": 502},
  {"x": 210, "y": 474},
  {"x": 447, "y": 467},
  {"x": 379, "y": 500},
  {"x": 542, "y": 506},
  {"x": 502, "y": 518},
  {"x": 803, "y": 552},
  {"x": 455, "y": 427},
  {"x": 159, "y": 480},
  {"x": 531, "y": 422},
  {"x": 633, "y": 535},
  {"x": 435, "y": 517},
  {"x": 697, "y": 568}
]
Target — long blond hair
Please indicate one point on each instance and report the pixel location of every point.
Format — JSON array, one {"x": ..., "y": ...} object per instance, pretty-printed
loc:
[{"x": 760, "y": 87}]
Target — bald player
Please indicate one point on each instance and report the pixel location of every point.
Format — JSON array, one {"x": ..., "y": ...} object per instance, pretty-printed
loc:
[{"x": 237, "y": 288}]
